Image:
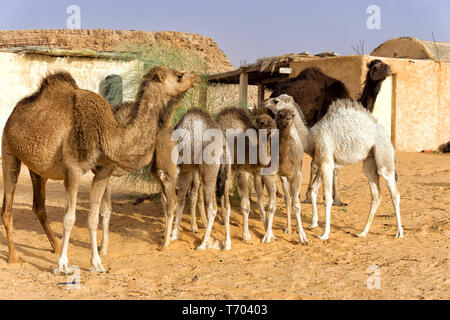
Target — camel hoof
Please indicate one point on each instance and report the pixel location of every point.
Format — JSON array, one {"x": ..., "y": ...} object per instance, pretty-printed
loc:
[
  {"x": 267, "y": 237},
  {"x": 247, "y": 241},
  {"x": 323, "y": 237},
  {"x": 313, "y": 225},
  {"x": 361, "y": 235},
  {"x": 201, "y": 247},
  {"x": 14, "y": 259},
  {"x": 103, "y": 252},
  {"x": 227, "y": 247},
  {"x": 194, "y": 229},
  {"x": 302, "y": 238},
  {"x": 399, "y": 234},
  {"x": 96, "y": 266}
]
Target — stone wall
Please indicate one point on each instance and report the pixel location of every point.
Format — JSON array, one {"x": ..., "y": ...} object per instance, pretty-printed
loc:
[{"x": 112, "y": 40}]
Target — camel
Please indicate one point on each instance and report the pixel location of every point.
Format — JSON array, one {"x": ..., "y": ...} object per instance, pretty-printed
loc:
[
  {"x": 348, "y": 134},
  {"x": 299, "y": 135},
  {"x": 194, "y": 125},
  {"x": 290, "y": 171},
  {"x": 313, "y": 91},
  {"x": 62, "y": 131},
  {"x": 234, "y": 118}
]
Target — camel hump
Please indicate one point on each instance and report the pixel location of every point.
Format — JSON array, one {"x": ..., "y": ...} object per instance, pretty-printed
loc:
[
  {"x": 61, "y": 78},
  {"x": 53, "y": 83}
]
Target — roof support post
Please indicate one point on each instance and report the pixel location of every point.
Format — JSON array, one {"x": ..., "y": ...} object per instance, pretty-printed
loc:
[
  {"x": 203, "y": 95},
  {"x": 243, "y": 89},
  {"x": 260, "y": 94}
]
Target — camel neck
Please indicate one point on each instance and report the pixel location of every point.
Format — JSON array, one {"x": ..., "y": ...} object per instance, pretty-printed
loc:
[
  {"x": 370, "y": 92},
  {"x": 138, "y": 136}
]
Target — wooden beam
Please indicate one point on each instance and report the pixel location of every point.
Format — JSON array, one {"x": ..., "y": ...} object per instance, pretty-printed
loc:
[
  {"x": 260, "y": 94},
  {"x": 243, "y": 89},
  {"x": 203, "y": 95}
]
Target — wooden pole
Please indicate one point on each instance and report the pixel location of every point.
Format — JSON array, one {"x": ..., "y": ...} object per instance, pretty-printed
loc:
[
  {"x": 260, "y": 94},
  {"x": 203, "y": 95},
  {"x": 243, "y": 89}
]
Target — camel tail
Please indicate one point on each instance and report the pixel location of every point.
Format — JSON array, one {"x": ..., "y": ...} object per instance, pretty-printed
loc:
[{"x": 222, "y": 177}]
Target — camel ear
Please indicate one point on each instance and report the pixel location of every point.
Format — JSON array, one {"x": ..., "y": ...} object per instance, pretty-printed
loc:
[
  {"x": 290, "y": 99},
  {"x": 157, "y": 75}
]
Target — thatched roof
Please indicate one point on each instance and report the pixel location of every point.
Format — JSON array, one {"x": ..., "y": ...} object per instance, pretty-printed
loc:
[
  {"x": 56, "y": 52},
  {"x": 266, "y": 69},
  {"x": 271, "y": 64},
  {"x": 412, "y": 48}
]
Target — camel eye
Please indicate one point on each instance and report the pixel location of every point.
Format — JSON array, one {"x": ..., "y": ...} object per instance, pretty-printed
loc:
[{"x": 180, "y": 76}]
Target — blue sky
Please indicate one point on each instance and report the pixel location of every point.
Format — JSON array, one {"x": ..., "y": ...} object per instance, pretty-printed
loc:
[{"x": 247, "y": 30}]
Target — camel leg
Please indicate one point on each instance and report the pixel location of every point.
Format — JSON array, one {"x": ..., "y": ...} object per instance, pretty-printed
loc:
[
  {"x": 194, "y": 199},
  {"x": 313, "y": 192},
  {"x": 39, "y": 209},
  {"x": 336, "y": 199},
  {"x": 312, "y": 174},
  {"x": 184, "y": 181},
  {"x": 226, "y": 211},
  {"x": 71, "y": 183},
  {"x": 98, "y": 187},
  {"x": 242, "y": 178},
  {"x": 326, "y": 170},
  {"x": 201, "y": 205},
  {"x": 288, "y": 202},
  {"x": 395, "y": 197},
  {"x": 11, "y": 171},
  {"x": 370, "y": 170},
  {"x": 260, "y": 198},
  {"x": 105, "y": 211},
  {"x": 296, "y": 207},
  {"x": 270, "y": 183},
  {"x": 209, "y": 184},
  {"x": 169, "y": 202}
]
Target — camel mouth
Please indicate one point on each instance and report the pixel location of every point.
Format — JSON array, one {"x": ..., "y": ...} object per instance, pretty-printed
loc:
[{"x": 195, "y": 79}]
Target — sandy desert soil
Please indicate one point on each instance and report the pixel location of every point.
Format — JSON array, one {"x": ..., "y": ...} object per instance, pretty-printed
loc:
[{"x": 416, "y": 267}]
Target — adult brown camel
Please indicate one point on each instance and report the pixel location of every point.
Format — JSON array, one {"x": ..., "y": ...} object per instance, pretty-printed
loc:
[
  {"x": 62, "y": 131},
  {"x": 313, "y": 91}
]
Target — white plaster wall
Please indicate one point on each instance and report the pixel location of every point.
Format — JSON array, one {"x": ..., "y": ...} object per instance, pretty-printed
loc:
[
  {"x": 22, "y": 74},
  {"x": 383, "y": 105}
]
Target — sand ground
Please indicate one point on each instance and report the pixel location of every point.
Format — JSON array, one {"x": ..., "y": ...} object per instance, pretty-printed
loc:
[{"x": 416, "y": 267}]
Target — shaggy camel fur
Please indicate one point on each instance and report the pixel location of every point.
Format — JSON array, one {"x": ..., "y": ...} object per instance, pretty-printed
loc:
[
  {"x": 80, "y": 133},
  {"x": 192, "y": 126},
  {"x": 346, "y": 135},
  {"x": 234, "y": 118}
]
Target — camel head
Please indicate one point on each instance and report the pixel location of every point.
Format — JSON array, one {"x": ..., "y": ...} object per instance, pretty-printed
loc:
[
  {"x": 264, "y": 121},
  {"x": 378, "y": 70},
  {"x": 284, "y": 118},
  {"x": 278, "y": 103},
  {"x": 174, "y": 82}
]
